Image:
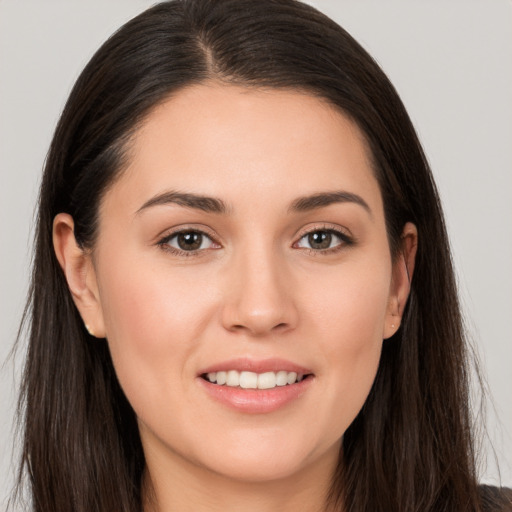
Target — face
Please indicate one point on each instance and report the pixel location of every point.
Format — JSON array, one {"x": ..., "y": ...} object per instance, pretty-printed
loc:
[{"x": 245, "y": 242}]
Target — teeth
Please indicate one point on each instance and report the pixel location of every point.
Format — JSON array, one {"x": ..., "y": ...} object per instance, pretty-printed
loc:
[
  {"x": 233, "y": 379},
  {"x": 267, "y": 380},
  {"x": 282, "y": 378},
  {"x": 251, "y": 380},
  {"x": 248, "y": 380},
  {"x": 291, "y": 378}
]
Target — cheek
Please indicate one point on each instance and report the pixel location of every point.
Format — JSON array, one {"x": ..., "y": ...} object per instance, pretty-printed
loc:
[
  {"x": 143, "y": 301},
  {"x": 348, "y": 321},
  {"x": 153, "y": 321},
  {"x": 350, "y": 306}
]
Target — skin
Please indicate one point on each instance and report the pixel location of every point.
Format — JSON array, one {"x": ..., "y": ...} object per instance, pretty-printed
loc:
[{"x": 258, "y": 289}]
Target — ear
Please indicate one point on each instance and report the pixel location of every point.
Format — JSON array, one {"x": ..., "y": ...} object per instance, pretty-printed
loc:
[
  {"x": 403, "y": 269},
  {"x": 78, "y": 268}
]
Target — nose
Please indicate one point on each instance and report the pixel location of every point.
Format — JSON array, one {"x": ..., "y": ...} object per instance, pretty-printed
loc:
[{"x": 259, "y": 297}]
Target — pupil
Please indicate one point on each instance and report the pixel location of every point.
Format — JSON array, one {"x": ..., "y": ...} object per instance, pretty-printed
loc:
[
  {"x": 190, "y": 241},
  {"x": 320, "y": 239}
]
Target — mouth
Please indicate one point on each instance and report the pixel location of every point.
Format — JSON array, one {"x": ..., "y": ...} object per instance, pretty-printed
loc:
[
  {"x": 256, "y": 387},
  {"x": 253, "y": 380}
]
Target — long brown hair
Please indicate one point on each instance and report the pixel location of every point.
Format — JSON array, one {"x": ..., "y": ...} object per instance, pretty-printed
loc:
[{"x": 410, "y": 448}]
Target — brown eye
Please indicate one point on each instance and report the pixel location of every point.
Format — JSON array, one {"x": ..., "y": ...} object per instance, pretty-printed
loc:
[
  {"x": 323, "y": 239},
  {"x": 320, "y": 240},
  {"x": 189, "y": 241}
]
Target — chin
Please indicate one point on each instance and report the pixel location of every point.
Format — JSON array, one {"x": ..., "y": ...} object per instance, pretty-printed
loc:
[
  {"x": 256, "y": 470},
  {"x": 265, "y": 459}
]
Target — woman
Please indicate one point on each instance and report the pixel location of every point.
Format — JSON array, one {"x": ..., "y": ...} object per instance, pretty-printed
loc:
[{"x": 234, "y": 304}]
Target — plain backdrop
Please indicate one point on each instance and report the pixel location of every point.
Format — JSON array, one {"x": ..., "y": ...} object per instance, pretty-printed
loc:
[{"x": 450, "y": 62}]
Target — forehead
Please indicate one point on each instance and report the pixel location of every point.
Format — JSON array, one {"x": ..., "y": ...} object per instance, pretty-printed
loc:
[{"x": 236, "y": 142}]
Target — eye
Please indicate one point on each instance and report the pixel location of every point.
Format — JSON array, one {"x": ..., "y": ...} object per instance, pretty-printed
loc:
[
  {"x": 188, "y": 241},
  {"x": 322, "y": 240}
]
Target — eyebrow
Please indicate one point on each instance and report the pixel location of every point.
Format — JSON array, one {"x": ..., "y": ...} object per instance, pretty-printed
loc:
[
  {"x": 322, "y": 199},
  {"x": 215, "y": 205},
  {"x": 196, "y": 201}
]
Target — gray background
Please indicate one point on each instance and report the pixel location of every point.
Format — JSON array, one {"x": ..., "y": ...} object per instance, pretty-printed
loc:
[{"x": 451, "y": 63}]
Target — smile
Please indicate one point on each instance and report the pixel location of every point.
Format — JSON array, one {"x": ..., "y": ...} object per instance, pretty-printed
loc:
[
  {"x": 252, "y": 380},
  {"x": 256, "y": 386}
]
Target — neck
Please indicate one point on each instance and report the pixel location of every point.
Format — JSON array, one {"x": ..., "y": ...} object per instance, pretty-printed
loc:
[{"x": 186, "y": 487}]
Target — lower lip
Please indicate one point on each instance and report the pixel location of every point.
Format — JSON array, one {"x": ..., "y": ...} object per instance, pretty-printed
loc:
[{"x": 256, "y": 401}]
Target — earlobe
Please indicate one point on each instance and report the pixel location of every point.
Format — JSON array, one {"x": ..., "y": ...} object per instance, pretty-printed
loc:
[
  {"x": 403, "y": 270},
  {"x": 78, "y": 269}
]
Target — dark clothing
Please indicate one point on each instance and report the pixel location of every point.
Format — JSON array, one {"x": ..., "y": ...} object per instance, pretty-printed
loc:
[{"x": 496, "y": 499}]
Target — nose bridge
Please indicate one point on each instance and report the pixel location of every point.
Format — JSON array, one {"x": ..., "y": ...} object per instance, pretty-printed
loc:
[{"x": 259, "y": 300}]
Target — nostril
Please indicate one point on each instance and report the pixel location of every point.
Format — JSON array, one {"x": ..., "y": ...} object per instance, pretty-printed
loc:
[{"x": 259, "y": 329}]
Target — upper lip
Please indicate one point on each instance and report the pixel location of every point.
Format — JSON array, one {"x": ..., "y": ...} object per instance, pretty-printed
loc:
[{"x": 257, "y": 366}]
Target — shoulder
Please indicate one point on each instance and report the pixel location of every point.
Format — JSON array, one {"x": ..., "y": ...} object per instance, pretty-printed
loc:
[{"x": 496, "y": 499}]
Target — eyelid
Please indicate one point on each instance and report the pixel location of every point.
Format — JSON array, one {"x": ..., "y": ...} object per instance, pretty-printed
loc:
[
  {"x": 183, "y": 228},
  {"x": 164, "y": 238},
  {"x": 325, "y": 226},
  {"x": 343, "y": 233}
]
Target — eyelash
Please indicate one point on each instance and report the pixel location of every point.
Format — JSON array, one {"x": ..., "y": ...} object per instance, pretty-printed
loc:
[
  {"x": 164, "y": 242},
  {"x": 346, "y": 240}
]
